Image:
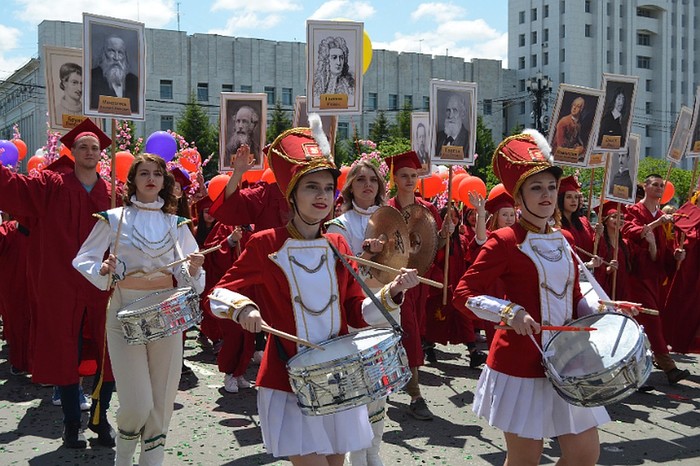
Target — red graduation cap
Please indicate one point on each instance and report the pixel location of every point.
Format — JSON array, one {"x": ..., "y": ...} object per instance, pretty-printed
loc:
[
  {"x": 86, "y": 128},
  {"x": 569, "y": 183},
  {"x": 498, "y": 202},
  {"x": 63, "y": 164},
  {"x": 407, "y": 159}
]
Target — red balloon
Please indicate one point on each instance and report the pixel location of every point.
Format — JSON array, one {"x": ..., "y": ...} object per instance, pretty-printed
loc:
[
  {"x": 21, "y": 148},
  {"x": 65, "y": 151},
  {"x": 268, "y": 176},
  {"x": 253, "y": 176},
  {"x": 36, "y": 162},
  {"x": 432, "y": 186},
  {"x": 669, "y": 191},
  {"x": 190, "y": 160},
  {"x": 496, "y": 190},
  {"x": 471, "y": 183},
  {"x": 456, "y": 179},
  {"x": 122, "y": 163},
  {"x": 217, "y": 186},
  {"x": 344, "y": 170}
]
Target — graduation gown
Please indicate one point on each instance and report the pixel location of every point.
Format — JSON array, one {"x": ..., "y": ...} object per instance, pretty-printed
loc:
[{"x": 261, "y": 204}]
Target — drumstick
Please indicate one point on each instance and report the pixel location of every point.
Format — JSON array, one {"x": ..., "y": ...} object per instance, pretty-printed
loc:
[
  {"x": 591, "y": 255},
  {"x": 386, "y": 268},
  {"x": 287, "y": 336},
  {"x": 628, "y": 305},
  {"x": 553, "y": 328},
  {"x": 180, "y": 261}
]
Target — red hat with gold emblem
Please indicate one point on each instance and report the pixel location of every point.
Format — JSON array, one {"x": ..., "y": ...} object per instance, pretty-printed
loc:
[
  {"x": 518, "y": 157},
  {"x": 86, "y": 128},
  {"x": 569, "y": 183},
  {"x": 407, "y": 159},
  {"x": 298, "y": 152}
]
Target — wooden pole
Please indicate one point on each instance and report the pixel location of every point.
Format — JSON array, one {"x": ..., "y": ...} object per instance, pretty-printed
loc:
[
  {"x": 596, "y": 241},
  {"x": 692, "y": 178},
  {"x": 616, "y": 245},
  {"x": 590, "y": 194},
  {"x": 447, "y": 242},
  {"x": 113, "y": 169}
]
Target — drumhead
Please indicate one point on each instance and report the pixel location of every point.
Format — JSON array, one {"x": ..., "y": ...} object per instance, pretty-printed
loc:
[
  {"x": 574, "y": 354},
  {"x": 155, "y": 299},
  {"x": 342, "y": 347}
]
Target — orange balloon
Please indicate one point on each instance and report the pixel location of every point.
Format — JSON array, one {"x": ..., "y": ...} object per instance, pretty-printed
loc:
[
  {"x": 122, "y": 163},
  {"x": 496, "y": 190},
  {"x": 669, "y": 191},
  {"x": 36, "y": 162},
  {"x": 268, "y": 176},
  {"x": 65, "y": 151},
  {"x": 253, "y": 176},
  {"x": 217, "y": 186},
  {"x": 190, "y": 160},
  {"x": 21, "y": 148},
  {"x": 456, "y": 179},
  {"x": 432, "y": 186},
  {"x": 344, "y": 170},
  {"x": 469, "y": 184}
]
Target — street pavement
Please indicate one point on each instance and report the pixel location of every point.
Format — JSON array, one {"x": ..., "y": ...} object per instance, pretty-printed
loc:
[{"x": 212, "y": 427}]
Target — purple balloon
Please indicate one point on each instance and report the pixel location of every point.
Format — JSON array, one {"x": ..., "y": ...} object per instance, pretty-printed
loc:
[
  {"x": 9, "y": 155},
  {"x": 163, "y": 144}
]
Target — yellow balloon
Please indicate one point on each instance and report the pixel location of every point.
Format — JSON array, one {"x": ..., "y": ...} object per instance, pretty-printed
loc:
[{"x": 366, "y": 52}]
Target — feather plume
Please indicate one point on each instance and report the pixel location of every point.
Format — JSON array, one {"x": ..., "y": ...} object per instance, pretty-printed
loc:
[{"x": 319, "y": 135}]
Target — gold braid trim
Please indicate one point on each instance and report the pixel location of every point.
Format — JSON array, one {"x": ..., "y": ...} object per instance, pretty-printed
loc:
[
  {"x": 507, "y": 314},
  {"x": 388, "y": 303}
]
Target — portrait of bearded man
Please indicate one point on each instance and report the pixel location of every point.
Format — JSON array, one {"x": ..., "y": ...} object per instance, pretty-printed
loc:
[
  {"x": 454, "y": 130},
  {"x": 242, "y": 128},
  {"x": 111, "y": 76}
]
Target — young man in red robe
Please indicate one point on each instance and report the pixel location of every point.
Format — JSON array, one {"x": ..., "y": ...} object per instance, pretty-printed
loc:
[{"x": 61, "y": 207}]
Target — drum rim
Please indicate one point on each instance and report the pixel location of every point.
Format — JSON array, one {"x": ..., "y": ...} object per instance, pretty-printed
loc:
[{"x": 182, "y": 292}]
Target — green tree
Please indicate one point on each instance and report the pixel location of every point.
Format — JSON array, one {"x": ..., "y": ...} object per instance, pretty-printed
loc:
[
  {"x": 194, "y": 125},
  {"x": 279, "y": 122},
  {"x": 381, "y": 129},
  {"x": 393, "y": 146},
  {"x": 402, "y": 128},
  {"x": 484, "y": 147}
]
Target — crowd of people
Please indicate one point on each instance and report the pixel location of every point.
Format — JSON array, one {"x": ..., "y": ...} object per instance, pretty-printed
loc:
[{"x": 276, "y": 264}]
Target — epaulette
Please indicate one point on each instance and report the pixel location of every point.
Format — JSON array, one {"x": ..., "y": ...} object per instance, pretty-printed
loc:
[
  {"x": 104, "y": 216},
  {"x": 336, "y": 221},
  {"x": 183, "y": 221}
]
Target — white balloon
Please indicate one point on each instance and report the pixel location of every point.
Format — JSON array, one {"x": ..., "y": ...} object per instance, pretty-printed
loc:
[{"x": 40, "y": 152}]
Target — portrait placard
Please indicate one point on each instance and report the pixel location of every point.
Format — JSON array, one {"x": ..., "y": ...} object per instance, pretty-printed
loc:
[
  {"x": 334, "y": 67},
  {"x": 577, "y": 116},
  {"x": 621, "y": 185},
  {"x": 243, "y": 121},
  {"x": 452, "y": 122},
  {"x": 616, "y": 120},
  {"x": 64, "y": 87},
  {"x": 115, "y": 53},
  {"x": 301, "y": 120},
  {"x": 420, "y": 143},
  {"x": 694, "y": 141},
  {"x": 596, "y": 160},
  {"x": 681, "y": 133}
]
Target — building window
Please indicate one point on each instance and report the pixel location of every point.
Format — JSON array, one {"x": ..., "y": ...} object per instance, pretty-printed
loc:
[
  {"x": 563, "y": 31},
  {"x": 647, "y": 151},
  {"x": 587, "y": 6},
  {"x": 647, "y": 108},
  {"x": 562, "y": 78},
  {"x": 408, "y": 101},
  {"x": 533, "y": 14},
  {"x": 522, "y": 108},
  {"x": 645, "y": 12},
  {"x": 521, "y": 17},
  {"x": 533, "y": 61},
  {"x": 643, "y": 62},
  {"x": 372, "y": 101},
  {"x": 426, "y": 103},
  {"x": 649, "y": 86},
  {"x": 393, "y": 101},
  {"x": 521, "y": 40},
  {"x": 270, "y": 91},
  {"x": 587, "y": 30},
  {"x": 287, "y": 96},
  {"x": 643, "y": 39},
  {"x": 533, "y": 37},
  {"x": 203, "y": 92},
  {"x": 545, "y": 35},
  {"x": 562, "y": 7},
  {"x": 545, "y": 11},
  {"x": 608, "y": 57},
  {"x": 647, "y": 131},
  {"x": 608, "y": 33},
  {"x": 246, "y": 88},
  {"x": 562, "y": 55},
  {"x": 622, "y": 10},
  {"x": 166, "y": 89},
  {"x": 488, "y": 106},
  {"x": 166, "y": 123},
  {"x": 521, "y": 85},
  {"x": 608, "y": 9},
  {"x": 622, "y": 34},
  {"x": 521, "y": 63},
  {"x": 343, "y": 131},
  {"x": 545, "y": 58},
  {"x": 621, "y": 60},
  {"x": 227, "y": 88}
]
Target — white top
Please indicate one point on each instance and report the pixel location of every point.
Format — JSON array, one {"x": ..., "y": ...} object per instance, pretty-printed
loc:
[
  {"x": 149, "y": 239},
  {"x": 352, "y": 225}
]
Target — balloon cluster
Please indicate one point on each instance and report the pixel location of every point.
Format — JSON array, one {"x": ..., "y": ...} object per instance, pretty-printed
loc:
[{"x": 11, "y": 152}]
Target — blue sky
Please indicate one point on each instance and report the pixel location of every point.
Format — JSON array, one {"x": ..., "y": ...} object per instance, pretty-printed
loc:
[{"x": 466, "y": 28}]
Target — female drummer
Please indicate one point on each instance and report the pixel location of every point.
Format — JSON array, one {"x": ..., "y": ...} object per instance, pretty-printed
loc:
[
  {"x": 364, "y": 192},
  {"x": 541, "y": 287},
  {"x": 308, "y": 293},
  {"x": 149, "y": 237}
]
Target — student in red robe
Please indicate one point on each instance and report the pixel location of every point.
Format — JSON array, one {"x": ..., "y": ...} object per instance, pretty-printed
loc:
[
  {"x": 62, "y": 205},
  {"x": 572, "y": 218}
]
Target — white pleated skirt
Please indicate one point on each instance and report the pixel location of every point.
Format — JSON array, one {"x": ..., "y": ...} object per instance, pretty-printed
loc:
[
  {"x": 530, "y": 407},
  {"x": 288, "y": 432}
]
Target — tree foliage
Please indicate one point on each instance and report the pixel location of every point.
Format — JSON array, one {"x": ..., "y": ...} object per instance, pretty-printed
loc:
[
  {"x": 484, "y": 148},
  {"x": 402, "y": 128},
  {"x": 279, "y": 122},
  {"x": 194, "y": 125},
  {"x": 380, "y": 130}
]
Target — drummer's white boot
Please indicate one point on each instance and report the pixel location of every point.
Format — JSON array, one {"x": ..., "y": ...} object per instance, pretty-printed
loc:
[
  {"x": 125, "y": 451},
  {"x": 373, "y": 458},
  {"x": 153, "y": 457}
]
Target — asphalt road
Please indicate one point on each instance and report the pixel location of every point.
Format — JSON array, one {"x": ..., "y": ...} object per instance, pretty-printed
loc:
[{"x": 212, "y": 427}]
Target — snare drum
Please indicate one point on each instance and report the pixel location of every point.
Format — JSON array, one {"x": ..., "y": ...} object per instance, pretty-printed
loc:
[
  {"x": 160, "y": 314},
  {"x": 354, "y": 370},
  {"x": 600, "y": 367}
]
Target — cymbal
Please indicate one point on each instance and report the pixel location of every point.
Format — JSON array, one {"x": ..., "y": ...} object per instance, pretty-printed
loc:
[
  {"x": 388, "y": 225},
  {"x": 422, "y": 235}
]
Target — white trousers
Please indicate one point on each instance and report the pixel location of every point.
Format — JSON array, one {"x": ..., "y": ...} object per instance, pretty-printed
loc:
[
  {"x": 370, "y": 456},
  {"x": 147, "y": 378}
]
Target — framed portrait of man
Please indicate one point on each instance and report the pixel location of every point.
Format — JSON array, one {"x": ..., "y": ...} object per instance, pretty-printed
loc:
[
  {"x": 681, "y": 133},
  {"x": 575, "y": 122},
  {"x": 334, "y": 67},
  {"x": 452, "y": 122},
  {"x": 243, "y": 121},
  {"x": 420, "y": 141},
  {"x": 301, "y": 120},
  {"x": 694, "y": 141},
  {"x": 115, "y": 62},
  {"x": 621, "y": 184},
  {"x": 64, "y": 87},
  {"x": 616, "y": 119}
]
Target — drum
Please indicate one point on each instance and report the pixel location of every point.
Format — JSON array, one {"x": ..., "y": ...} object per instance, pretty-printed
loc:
[
  {"x": 600, "y": 367},
  {"x": 353, "y": 370},
  {"x": 160, "y": 314}
]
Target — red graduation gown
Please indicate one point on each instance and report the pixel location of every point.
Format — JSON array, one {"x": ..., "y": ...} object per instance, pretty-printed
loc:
[
  {"x": 63, "y": 210},
  {"x": 262, "y": 205}
]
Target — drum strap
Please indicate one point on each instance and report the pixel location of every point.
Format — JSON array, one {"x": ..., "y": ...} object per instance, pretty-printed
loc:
[{"x": 394, "y": 325}]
